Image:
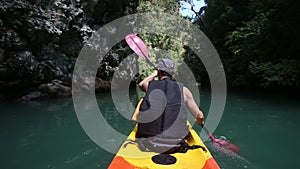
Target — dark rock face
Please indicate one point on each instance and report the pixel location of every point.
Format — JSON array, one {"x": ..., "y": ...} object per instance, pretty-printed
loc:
[
  {"x": 40, "y": 41},
  {"x": 55, "y": 88}
]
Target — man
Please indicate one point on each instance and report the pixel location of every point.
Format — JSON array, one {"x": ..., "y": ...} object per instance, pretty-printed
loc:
[{"x": 163, "y": 110}]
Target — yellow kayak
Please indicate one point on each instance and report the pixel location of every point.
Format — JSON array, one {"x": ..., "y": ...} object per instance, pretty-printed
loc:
[{"x": 130, "y": 156}]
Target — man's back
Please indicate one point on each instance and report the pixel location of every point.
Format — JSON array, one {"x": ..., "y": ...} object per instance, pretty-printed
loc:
[{"x": 163, "y": 110}]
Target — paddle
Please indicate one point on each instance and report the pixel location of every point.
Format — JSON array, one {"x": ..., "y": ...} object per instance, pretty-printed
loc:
[
  {"x": 139, "y": 47},
  {"x": 221, "y": 142}
]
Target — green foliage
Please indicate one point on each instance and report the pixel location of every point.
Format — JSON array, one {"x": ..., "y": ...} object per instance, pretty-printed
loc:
[
  {"x": 284, "y": 73},
  {"x": 167, "y": 6},
  {"x": 246, "y": 39},
  {"x": 256, "y": 40},
  {"x": 160, "y": 45}
]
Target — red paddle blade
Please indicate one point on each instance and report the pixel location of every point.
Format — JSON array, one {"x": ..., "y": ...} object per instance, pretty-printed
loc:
[
  {"x": 234, "y": 148},
  {"x": 227, "y": 145},
  {"x": 137, "y": 45},
  {"x": 222, "y": 144}
]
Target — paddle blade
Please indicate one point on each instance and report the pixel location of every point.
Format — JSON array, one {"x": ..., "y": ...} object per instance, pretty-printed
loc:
[
  {"x": 137, "y": 45},
  {"x": 227, "y": 145},
  {"x": 223, "y": 144}
]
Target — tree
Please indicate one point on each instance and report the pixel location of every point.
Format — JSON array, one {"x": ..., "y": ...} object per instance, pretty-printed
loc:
[
  {"x": 160, "y": 45},
  {"x": 256, "y": 41}
]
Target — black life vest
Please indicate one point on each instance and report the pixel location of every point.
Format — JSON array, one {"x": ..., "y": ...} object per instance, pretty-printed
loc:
[{"x": 163, "y": 111}]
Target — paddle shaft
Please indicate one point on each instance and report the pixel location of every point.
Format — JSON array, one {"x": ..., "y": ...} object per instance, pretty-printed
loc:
[
  {"x": 150, "y": 63},
  {"x": 208, "y": 133}
]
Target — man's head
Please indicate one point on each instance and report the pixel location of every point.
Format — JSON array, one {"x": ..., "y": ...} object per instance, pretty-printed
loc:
[{"x": 166, "y": 67}]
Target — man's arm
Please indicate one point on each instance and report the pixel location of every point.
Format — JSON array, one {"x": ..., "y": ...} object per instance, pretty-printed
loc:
[
  {"x": 192, "y": 106},
  {"x": 145, "y": 83}
]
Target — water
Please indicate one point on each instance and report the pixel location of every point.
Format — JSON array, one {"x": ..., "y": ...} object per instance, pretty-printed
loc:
[
  {"x": 265, "y": 126},
  {"x": 47, "y": 135}
]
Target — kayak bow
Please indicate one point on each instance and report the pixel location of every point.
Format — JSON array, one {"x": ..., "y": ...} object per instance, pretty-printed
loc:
[{"x": 130, "y": 156}]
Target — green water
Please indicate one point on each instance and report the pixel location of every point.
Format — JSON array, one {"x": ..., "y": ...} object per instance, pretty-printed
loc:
[{"x": 47, "y": 135}]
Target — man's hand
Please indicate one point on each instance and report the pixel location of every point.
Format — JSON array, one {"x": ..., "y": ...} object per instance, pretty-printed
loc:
[
  {"x": 199, "y": 121},
  {"x": 145, "y": 83},
  {"x": 154, "y": 74}
]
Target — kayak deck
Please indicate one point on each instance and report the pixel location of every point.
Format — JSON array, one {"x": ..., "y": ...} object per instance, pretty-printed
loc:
[{"x": 130, "y": 156}]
